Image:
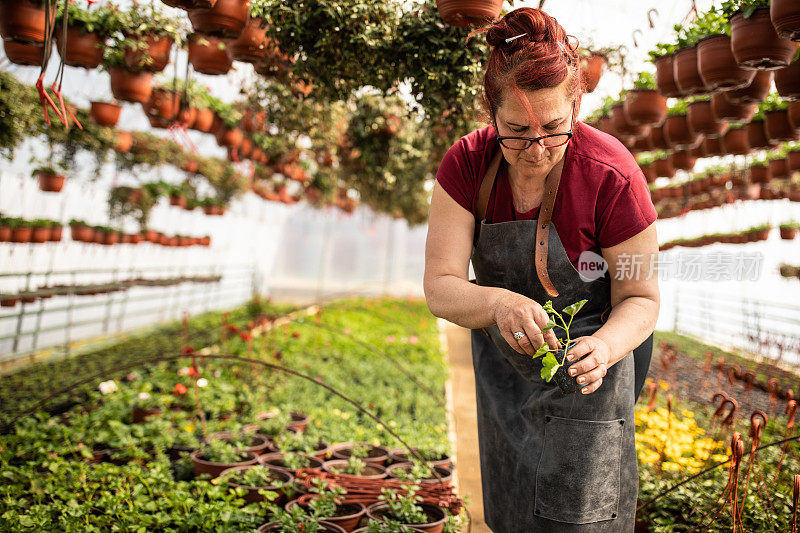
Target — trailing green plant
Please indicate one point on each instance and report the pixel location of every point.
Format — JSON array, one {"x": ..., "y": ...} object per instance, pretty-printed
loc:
[
  {"x": 661, "y": 50},
  {"x": 773, "y": 102},
  {"x": 645, "y": 80},
  {"x": 747, "y": 7},
  {"x": 101, "y": 19}
]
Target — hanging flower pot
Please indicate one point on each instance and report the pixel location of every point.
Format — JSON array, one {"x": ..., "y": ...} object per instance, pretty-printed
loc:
[
  {"x": 163, "y": 104},
  {"x": 592, "y": 70},
  {"x": 736, "y": 141},
  {"x": 227, "y": 18},
  {"x": 21, "y": 233},
  {"x": 755, "y": 92},
  {"x": 757, "y": 135},
  {"x": 84, "y": 49},
  {"x": 39, "y": 235},
  {"x": 645, "y": 107},
  {"x": 713, "y": 146},
  {"x": 230, "y": 137},
  {"x": 649, "y": 171},
  {"x": 50, "y": 181},
  {"x": 794, "y": 115},
  {"x": 793, "y": 160},
  {"x": 246, "y": 148},
  {"x": 759, "y": 174},
  {"x": 204, "y": 120},
  {"x": 621, "y": 124},
  {"x": 464, "y": 13},
  {"x": 22, "y": 20},
  {"x": 777, "y": 126},
  {"x": 131, "y": 86},
  {"x": 717, "y": 66},
  {"x": 251, "y": 45},
  {"x": 124, "y": 141},
  {"x": 785, "y": 16},
  {"x": 187, "y": 117},
  {"x": 724, "y": 109},
  {"x": 105, "y": 113},
  {"x": 663, "y": 167},
  {"x": 665, "y": 76},
  {"x": 657, "y": 139},
  {"x": 642, "y": 144},
  {"x": 677, "y": 132},
  {"x": 756, "y": 44},
  {"x": 698, "y": 152},
  {"x": 209, "y": 55},
  {"x": 148, "y": 52},
  {"x": 687, "y": 77},
  {"x": 702, "y": 120},
  {"x": 19, "y": 53},
  {"x": 682, "y": 160},
  {"x": 778, "y": 168},
  {"x": 787, "y": 81}
]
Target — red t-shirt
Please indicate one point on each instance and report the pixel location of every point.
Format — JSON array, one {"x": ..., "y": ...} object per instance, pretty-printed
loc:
[{"x": 602, "y": 200}]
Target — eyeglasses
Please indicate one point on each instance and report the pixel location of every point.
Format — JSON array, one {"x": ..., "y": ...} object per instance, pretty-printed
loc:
[{"x": 545, "y": 141}]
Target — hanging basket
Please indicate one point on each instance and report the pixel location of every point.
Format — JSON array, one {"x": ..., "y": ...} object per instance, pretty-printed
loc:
[
  {"x": 105, "y": 113},
  {"x": 131, "y": 86},
  {"x": 22, "y": 20},
  {"x": 623, "y": 127},
  {"x": 151, "y": 54},
  {"x": 50, "y": 182},
  {"x": 785, "y": 16},
  {"x": 645, "y": 107},
  {"x": 717, "y": 66},
  {"x": 794, "y": 114},
  {"x": 756, "y": 44},
  {"x": 757, "y": 135},
  {"x": 736, "y": 142},
  {"x": 123, "y": 142},
  {"x": 677, "y": 132},
  {"x": 665, "y": 76},
  {"x": 84, "y": 50},
  {"x": 466, "y": 13},
  {"x": 209, "y": 55},
  {"x": 251, "y": 45},
  {"x": 702, "y": 120},
  {"x": 227, "y": 18},
  {"x": 19, "y": 53},
  {"x": 778, "y": 128},
  {"x": 723, "y": 109},
  {"x": 592, "y": 70},
  {"x": 687, "y": 77},
  {"x": 787, "y": 81},
  {"x": 755, "y": 93}
]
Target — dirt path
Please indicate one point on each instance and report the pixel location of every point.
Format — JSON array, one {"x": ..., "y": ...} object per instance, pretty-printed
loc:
[{"x": 465, "y": 417}]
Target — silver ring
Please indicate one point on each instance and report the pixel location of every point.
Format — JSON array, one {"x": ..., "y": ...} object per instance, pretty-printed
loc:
[{"x": 518, "y": 335}]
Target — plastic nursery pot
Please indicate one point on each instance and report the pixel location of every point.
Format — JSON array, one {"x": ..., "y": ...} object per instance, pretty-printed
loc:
[
  {"x": 687, "y": 77},
  {"x": 724, "y": 109},
  {"x": 227, "y": 18},
  {"x": 777, "y": 126},
  {"x": 276, "y": 460},
  {"x": 370, "y": 470},
  {"x": 299, "y": 421},
  {"x": 259, "y": 444},
  {"x": 252, "y": 495},
  {"x": 131, "y": 86},
  {"x": 84, "y": 49},
  {"x": 22, "y": 21},
  {"x": 665, "y": 76},
  {"x": 50, "y": 182},
  {"x": 230, "y": 137},
  {"x": 105, "y": 113},
  {"x": 19, "y": 53},
  {"x": 275, "y": 527},
  {"x": 152, "y": 54},
  {"x": 657, "y": 139},
  {"x": 788, "y": 234},
  {"x": 202, "y": 466},
  {"x": 436, "y": 516},
  {"x": 793, "y": 160},
  {"x": 756, "y": 44},
  {"x": 445, "y": 473},
  {"x": 702, "y": 120},
  {"x": 41, "y": 235},
  {"x": 209, "y": 55},
  {"x": 713, "y": 147},
  {"x": 592, "y": 70},
  {"x": 717, "y": 66},
  {"x": 347, "y": 515},
  {"x": 787, "y": 81},
  {"x": 163, "y": 104},
  {"x": 5, "y": 233},
  {"x": 464, "y": 13},
  {"x": 401, "y": 455},
  {"x": 645, "y": 106},
  {"x": 565, "y": 382},
  {"x": 785, "y": 15},
  {"x": 376, "y": 455}
]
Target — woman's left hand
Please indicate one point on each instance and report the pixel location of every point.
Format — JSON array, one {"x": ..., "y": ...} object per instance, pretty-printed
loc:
[{"x": 590, "y": 370}]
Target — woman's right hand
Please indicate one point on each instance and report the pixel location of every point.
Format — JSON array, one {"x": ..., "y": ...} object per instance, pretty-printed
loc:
[{"x": 515, "y": 312}]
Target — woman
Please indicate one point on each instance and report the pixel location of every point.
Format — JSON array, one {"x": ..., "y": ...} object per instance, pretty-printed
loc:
[{"x": 529, "y": 199}]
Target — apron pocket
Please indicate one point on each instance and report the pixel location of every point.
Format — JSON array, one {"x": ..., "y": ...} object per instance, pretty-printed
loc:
[{"x": 578, "y": 477}]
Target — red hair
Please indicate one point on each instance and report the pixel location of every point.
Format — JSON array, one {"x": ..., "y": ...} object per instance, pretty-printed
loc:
[{"x": 542, "y": 58}]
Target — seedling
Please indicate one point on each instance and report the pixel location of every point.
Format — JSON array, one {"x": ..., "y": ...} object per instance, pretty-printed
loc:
[{"x": 550, "y": 363}]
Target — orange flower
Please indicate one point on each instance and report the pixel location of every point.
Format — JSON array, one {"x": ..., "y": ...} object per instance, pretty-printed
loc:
[{"x": 180, "y": 388}]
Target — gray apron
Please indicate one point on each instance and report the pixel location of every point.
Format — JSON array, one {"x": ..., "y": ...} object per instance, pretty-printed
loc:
[{"x": 550, "y": 462}]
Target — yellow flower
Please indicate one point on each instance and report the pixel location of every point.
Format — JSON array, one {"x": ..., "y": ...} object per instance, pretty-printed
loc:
[
  {"x": 663, "y": 384},
  {"x": 188, "y": 427}
]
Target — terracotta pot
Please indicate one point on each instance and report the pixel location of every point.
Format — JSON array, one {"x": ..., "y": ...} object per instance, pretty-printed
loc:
[
  {"x": 40, "y": 235},
  {"x": 649, "y": 171},
  {"x": 152, "y": 57},
  {"x": 724, "y": 109},
  {"x": 187, "y": 117},
  {"x": 793, "y": 160},
  {"x": 645, "y": 107},
  {"x": 787, "y": 81},
  {"x": 621, "y": 125},
  {"x": 677, "y": 132},
  {"x": 21, "y": 234},
  {"x": 757, "y": 135},
  {"x": 702, "y": 120},
  {"x": 5, "y": 233},
  {"x": 592, "y": 70},
  {"x": 663, "y": 168},
  {"x": 82, "y": 233},
  {"x": 657, "y": 139},
  {"x": 788, "y": 234},
  {"x": 230, "y": 137},
  {"x": 49, "y": 182},
  {"x": 202, "y": 466},
  {"x": 665, "y": 76},
  {"x": 84, "y": 50},
  {"x": 151, "y": 236},
  {"x": 8, "y": 301},
  {"x": 778, "y": 168},
  {"x": 794, "y": 115},
  {"x": 163, "y": 104},
  {"x": 204, "y": 120},
  {"x": 778, "y": 128},
  {"x": 22, "y": 21},
  {"x": 19, "y": 53},
  {"x": 252, "y": 495},
  {"x": 207, "y": 57},
  {"x": 713, "y": 146},
  {"x": 717, "y": 66},
  {"x": 756, "y": 44},
  {"x": 226, "y": 19},
  {"x": 785, "y": 16},
  {"x": 348, "y": 515},
  {"x": 436, "y": 516},
  {"x": 370, "y": 470},
  {"x": 445, "y": 473},
  {"x": 190, "y": 166},
  {"x": 759, "y": 174},
  {"x": 687, "y": 77},
  {"x": 251, "y": 45},
  {"x": 124, "y": 141},
  {"x": 682, "y": 160},
  {"x": 464, "y": 13},
  {"x": 177, "y": 200},
  {"x": 755, "y": 93},
  {"x": 246, "y": 148},
  {"x": 111, "y": 238},
  {"x": 105, "y": 113},
  {"x": 375, "y": 454},
  {"x": 642, "y": 144},
  {"x": 131, "y": 86}
]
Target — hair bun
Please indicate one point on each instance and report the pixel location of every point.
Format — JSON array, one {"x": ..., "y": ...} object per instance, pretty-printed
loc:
[{"x": 535, "y": 23}]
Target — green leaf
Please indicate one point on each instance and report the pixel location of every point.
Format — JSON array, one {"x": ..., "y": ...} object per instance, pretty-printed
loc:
[
  {"x": 543, "y": 349},
  {"x": 550, "y": 325},
  {"x": 549, "y": 366},
  {"x": 573, "y": 309}
]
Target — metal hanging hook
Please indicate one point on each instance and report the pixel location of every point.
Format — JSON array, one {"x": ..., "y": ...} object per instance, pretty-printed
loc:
[
  {"x": 636, "y": 42},
  {"x": 650, "y": 13}
]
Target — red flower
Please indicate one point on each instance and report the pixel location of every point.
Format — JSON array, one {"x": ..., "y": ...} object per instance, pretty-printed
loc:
[
  {"x": 233, "y": 329},
  {"x": 187, "y": 350},
  {"x": 180, "y": 388},
  {"x": 245, "y": 337},
  {"x": 296, "y": 334}
]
